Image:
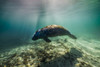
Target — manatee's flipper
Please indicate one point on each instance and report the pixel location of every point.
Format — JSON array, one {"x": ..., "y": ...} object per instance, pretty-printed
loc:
[
  {"x": 46, "y": 39},
  {"x": 72, "y": 36}
]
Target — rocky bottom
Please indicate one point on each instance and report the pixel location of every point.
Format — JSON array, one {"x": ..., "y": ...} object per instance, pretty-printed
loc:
[{"x": 58, "y": 53}]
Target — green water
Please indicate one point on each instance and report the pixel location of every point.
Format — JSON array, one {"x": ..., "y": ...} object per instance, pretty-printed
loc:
[{"x": 19, "y": 19}]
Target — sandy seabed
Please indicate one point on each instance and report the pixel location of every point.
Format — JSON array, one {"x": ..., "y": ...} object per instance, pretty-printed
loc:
[{"x": 58, "y": 53}]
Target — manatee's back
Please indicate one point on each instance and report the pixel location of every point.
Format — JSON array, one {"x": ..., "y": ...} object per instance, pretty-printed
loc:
[{"x": 55, "y": 30}]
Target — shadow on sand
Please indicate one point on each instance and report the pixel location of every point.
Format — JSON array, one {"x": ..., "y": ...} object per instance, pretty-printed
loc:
[
  {"x": 44, "y": 55},
  {"x": 67, "y": 60}
]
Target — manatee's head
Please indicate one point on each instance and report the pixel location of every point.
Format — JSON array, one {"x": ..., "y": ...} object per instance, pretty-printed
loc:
[{"x": 36, "y": 36}]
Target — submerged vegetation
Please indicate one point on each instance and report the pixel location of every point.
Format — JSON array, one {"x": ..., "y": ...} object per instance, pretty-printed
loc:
[{"x": 58, "y": 53}]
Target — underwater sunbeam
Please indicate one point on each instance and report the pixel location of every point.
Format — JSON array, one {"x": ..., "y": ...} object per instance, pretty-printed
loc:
[{"x": 20, "y": 20}]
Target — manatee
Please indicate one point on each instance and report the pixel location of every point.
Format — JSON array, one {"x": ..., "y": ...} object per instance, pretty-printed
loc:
[{"x": 51, "y": 31}]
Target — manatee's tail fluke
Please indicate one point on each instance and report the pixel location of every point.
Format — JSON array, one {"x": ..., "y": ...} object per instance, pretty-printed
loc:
[{"x": 72, "y": 36}]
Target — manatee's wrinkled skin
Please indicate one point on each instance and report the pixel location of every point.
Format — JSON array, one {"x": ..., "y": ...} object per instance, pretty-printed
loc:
[{"x": 51, "y": 31}]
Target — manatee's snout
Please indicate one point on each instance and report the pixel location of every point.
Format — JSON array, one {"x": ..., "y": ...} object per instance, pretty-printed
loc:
[{"x": 34, "y": 38}]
